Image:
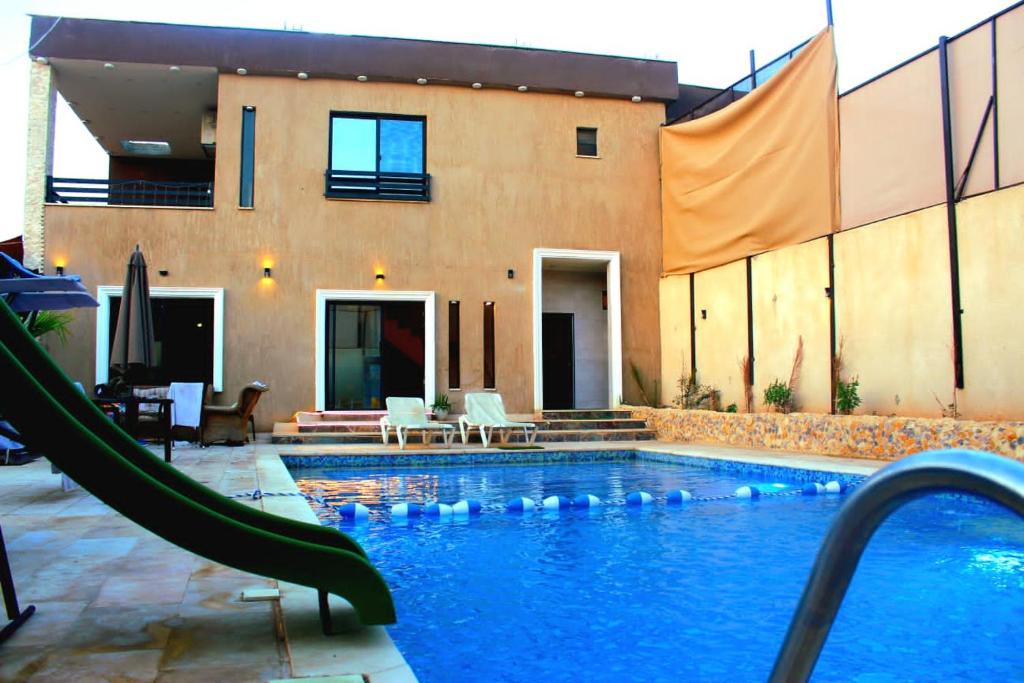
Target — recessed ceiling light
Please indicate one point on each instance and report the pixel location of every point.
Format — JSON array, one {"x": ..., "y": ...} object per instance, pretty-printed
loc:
[
  {"x": 42, "y": 60},
  {"x": 174, "y": 69},
  {"x": 108, "y": 66},
  {"x": 241, "y": 71},
  {"x": 579, "y": 93},
  {"x": 421, "y": 81},
  {"x": 303, "y": 75},
  {"x": 637, "y": 98},
  {"x": 153, "y": 148},
  {"x": 522, "y": 88},
  {"x": 361, "y": 79},
  {"x": 477, "y": 86}
]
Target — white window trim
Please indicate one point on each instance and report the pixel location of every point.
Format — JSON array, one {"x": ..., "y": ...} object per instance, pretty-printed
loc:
[
  {"x": 429, "y": 334},
  {"x": 104, "y": 294},
  {"x": 611, "y": 258}
]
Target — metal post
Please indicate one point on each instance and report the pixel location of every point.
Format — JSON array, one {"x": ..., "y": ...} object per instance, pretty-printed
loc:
[
  {"x": 832, "y": 322},
  {"x": 828, "y": 11},
  {"x": 753, "y": 71},
  {"x": 750, "y": 317},
  {"x": 995, "y": 106},
  {"x": 693, "y": 331},
  {"x": 954, "y": 258},
  {"x": 16, "y": 616}
]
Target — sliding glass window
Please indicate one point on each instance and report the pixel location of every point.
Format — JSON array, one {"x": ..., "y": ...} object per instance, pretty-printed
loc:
[
  {"x": 377, "y": 156},
  {"x": 248, "y": 165}
]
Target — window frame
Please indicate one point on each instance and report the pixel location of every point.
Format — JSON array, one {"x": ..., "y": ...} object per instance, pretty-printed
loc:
[
  {"x": 375, "y": 116},
  {"x": 596, "y": 154}
]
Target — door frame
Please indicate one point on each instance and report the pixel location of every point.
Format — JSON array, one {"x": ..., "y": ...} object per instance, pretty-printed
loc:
[
  {"x": 612, "y": 283},
  {"x": 105, "y": 292},
  {"x": 429, "y": 335}
]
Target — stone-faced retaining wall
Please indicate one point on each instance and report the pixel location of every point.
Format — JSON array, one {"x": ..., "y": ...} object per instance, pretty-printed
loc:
[{"x": 861, "y": 436}]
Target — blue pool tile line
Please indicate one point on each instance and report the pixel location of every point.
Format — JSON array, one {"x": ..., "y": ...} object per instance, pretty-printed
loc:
[{"x": 296, "y": 462}]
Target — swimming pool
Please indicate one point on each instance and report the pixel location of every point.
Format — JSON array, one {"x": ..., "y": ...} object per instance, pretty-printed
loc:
[{"x": 702, "y": 591}]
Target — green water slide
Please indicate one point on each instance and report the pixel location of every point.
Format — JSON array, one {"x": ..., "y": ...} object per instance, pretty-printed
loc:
[{"x": 55, "y": 418}]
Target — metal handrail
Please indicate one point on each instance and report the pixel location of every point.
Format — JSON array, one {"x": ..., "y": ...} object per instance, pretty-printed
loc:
[{"x": 983, "y": 474}]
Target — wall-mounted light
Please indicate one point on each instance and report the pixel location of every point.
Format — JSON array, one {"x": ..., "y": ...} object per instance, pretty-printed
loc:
[
  {"x": 703, "y": 314},
  {"x": 163, "y": 273},
  {"x": 477, "y": 86},
  {"x": 108, "y": 66},
  {"x": 60, "y": 270},
  {"x": 579, "y": 93},
  {"x": 361, "y": 79},
  {"x": 302, "y": 75},
  {"x": 421, "y": 81},
  {"x": 828, "y": 292},
  {"x": 379, "y": 277},
  {"x": 241, "y": 71},
  {"x": 511, "y": 273},
  {"x": 174, "y": 69},
  {"x": 636, "y": 99},
  {"x": 266, "y": 272},
  {"x": 522, "y": 88},
  {"x": 604, "y": 299}
]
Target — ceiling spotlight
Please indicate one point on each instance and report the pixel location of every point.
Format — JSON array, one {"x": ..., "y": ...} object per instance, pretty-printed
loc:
[
  {"x": 477, "y": 86},
  {"x": 421, "y": 81},
  {"x": 522, "y": 88},
  {"x": 174, "y": 69},
  {"x": 108, "y": 66},
  {"x": 241, "y": 71},
  {"x": 42, "y": 60},
  {"x": 303, "y": 75},
  {"x": 361, "y": 79},
  {"x": 578, "y": 93},
  {"x": 637, "y": 98}
]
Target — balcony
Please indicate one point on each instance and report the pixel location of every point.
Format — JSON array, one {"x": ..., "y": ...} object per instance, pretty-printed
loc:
[
  {"x": 413, "y": 187},
  {"x": 189, "y": 194}
]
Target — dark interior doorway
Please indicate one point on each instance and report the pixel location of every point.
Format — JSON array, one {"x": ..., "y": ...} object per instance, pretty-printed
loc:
[
  {"x": 183, "y": 336},
  {"x": 558, "y": 361},
  {"x": 375, "y": 349}
]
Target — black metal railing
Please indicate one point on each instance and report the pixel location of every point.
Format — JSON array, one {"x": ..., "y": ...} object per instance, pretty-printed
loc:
[
  {"x": 740, "y": 88},
  {"x": 373, "y": 185},
  {"x": 129, "y": 192}
]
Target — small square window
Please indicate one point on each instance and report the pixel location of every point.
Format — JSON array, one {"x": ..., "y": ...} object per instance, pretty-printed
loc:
[{"x": 586, "y": 142}]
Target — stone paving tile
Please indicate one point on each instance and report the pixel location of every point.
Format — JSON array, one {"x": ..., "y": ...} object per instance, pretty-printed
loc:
[
  {"x": 225, "y": 640},
  {"x": 136, "y": 666}
]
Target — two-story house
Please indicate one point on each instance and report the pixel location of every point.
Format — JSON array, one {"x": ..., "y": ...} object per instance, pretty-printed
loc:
[{"x": 348, "y": 218}]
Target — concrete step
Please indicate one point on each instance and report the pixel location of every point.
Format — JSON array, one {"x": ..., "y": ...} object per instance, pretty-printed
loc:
[
  {"x": 575, "y": 435},
  {"x": 613, "y": 414},
  {"x": 545, "y": 436},
  {"x": 561, "y": 425}
]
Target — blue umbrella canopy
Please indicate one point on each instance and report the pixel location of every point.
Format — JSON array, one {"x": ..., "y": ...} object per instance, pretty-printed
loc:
[{"x": 133, "y": 336}]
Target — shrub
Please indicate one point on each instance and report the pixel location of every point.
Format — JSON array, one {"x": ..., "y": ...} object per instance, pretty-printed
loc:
[
  {"x": 731, "y": 408},
  {"x": 846, "y": 396},
  {"x": 695, "y": 396},
  {"x": 779, "y": 395}
]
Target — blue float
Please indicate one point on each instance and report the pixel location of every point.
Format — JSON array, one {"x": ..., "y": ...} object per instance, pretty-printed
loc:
[
  {"x": 520, "y": 505},
  {"x": 585, "y": 501},
  {"x": 466, "y": 508},
  {"x": 406, "y": 510},
  {"x": 835, "y": 487},
  {"x": 556, "y": 503},
  {"x": 678, "y": 496},
  {"x": 438, "y": 510},
  {"x": 639, "y": 499},
  {"x": 354, "y": 511},
  {"x": 748, "y": 492},
  {"x": 812, "y": 489}
]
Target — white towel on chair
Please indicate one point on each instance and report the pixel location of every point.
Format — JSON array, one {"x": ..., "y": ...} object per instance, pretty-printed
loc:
[{"x": 188, "y": 403}]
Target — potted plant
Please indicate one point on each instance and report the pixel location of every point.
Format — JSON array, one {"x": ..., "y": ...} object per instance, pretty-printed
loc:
[{"x": 441, "y": 406}]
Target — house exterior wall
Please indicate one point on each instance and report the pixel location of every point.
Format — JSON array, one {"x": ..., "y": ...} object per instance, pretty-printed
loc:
[{"x": 505, "y": 179}]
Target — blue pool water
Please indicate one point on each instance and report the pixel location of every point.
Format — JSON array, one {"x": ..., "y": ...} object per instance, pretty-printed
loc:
[{"x": 699, "y": 592}]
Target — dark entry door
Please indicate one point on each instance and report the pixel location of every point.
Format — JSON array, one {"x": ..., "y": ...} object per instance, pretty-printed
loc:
[
  {"x": 559, "y": 361},
  {"x": 374, "y": 350}
]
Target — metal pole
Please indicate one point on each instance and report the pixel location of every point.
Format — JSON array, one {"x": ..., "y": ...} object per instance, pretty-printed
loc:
[
  {"x": 983, "y": 474},
  {"x": 828, "y": 11},
  {"x": 954, "y": 258},
  {"x": 753, "y": 71},
  {"x": 693, "y": 331}
]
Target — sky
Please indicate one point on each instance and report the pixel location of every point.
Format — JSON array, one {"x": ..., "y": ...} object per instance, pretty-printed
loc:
[{"x": 710, "y": 41}]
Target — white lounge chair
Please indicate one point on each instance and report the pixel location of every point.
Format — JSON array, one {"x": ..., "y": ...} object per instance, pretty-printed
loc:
[
  {"x": 486, "y": 411},
  {"x": 407, "y": 414}
]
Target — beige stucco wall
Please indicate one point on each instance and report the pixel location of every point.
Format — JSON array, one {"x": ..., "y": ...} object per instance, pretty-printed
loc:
[
  {"x": 675, "y": 334},
  {"x": 505, "y": 180},
  {"x": 893, "y": 313},
  {"x": 1009, "y": 37},
  {"x": 991, "y": 285},
  {"x": 722, "y": 337},
  {"x": 790, "y": 302}
]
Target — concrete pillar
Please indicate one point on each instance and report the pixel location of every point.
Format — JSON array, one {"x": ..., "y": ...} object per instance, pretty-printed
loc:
[{"x": 42, "y": 100}]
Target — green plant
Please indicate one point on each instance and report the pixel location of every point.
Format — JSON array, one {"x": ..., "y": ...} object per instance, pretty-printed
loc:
[
  {"x": 779, "y": 395},
  {"x": 441, "y": 403},
  {"x": 46, "y": 322},
  {"x": 693, "y": 395},
  {"x": 650, "y": 400},
  {"x": 732, "y": 408},
  {"x": 846, "y": 396}
]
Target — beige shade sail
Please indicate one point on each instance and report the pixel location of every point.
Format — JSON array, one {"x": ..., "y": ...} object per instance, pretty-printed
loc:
[{"x": 757, "y": 175}]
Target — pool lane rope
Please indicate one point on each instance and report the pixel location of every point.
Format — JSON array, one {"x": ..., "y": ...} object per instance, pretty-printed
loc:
[{"x": 522, "y": 505}]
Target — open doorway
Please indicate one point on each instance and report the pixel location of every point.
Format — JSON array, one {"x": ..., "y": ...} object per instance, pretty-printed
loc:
[{"x": 577, "y": 338}]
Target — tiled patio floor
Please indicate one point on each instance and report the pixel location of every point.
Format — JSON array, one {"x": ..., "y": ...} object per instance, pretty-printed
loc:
[{"x": 116, "y": 603}]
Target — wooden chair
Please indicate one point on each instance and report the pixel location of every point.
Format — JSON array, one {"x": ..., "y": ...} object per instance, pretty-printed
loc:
[{"x": 228, "y": 423}]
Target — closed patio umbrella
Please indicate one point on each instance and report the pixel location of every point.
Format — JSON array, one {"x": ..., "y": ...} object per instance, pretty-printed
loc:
[{"x": 132, "y": 351}]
